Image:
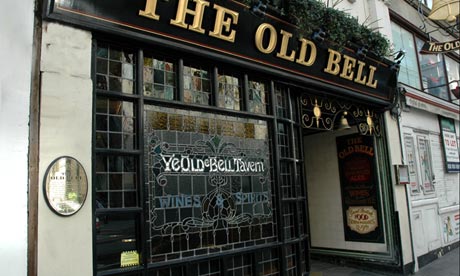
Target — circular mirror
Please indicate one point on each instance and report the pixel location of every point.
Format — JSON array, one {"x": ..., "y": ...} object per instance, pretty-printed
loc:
[{"x": 66, "y": 186}]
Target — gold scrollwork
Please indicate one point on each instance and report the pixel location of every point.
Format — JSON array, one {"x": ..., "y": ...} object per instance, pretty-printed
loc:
[{"x": 322, "y": 113}]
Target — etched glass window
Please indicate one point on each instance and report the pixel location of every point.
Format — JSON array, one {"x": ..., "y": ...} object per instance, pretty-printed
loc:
[
  {"x": 229, "y": 91},
  {"x": 258, "y": 93},
  {"x": 115, "y": 69},
  {"x": 209, "y": 183},
  {"x": 159, "y": 78},
  {"x": 197, "y": 85}
]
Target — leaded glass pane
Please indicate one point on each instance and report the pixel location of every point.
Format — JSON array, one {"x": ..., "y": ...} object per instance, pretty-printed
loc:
[
  {"x": 287, "y": 189},
  {"x": 115, "y": 124},
  {"x": 210, "y": 189},
  {"x": 229, "y": 91},
  {"x": 291, "y": 261},
  {"x": 282, "y": 103},
  {"x": 114, "y": 69},
  {"x": 284, "y": 140},
  {"x": 240, "y": 265},
  {"x": 268, "y": 262},
  {"x": 116, "y": 182},
  {"x": 258, "y": 93},
  {"x": 207, "y": 268},
  {"x": 159, "y": 78},
  {"x": 197, "y": 85},
  {"x": 289, "y": 215}
]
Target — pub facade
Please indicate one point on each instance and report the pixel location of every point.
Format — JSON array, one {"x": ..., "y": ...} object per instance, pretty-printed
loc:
[{"x": 211, "y": 138}]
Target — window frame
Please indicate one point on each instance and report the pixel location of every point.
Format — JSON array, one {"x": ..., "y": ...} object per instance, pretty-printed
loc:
[
  {"x": 281, "y": 247},
  {"x": 418, "y": 34}
]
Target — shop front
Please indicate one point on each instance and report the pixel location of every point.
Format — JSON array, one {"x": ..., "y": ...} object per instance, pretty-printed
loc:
[{"x": 215, "y": 142}]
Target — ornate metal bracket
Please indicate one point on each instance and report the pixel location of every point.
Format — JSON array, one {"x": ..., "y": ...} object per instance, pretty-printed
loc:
[{"x": 322, "y": 113}]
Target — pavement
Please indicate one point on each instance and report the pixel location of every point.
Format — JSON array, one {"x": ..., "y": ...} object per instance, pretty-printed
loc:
[{"x": 447, "y": 265}]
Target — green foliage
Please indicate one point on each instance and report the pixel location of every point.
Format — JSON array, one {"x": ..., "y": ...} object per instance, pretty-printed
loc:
[{"x": 341, "y": 28}]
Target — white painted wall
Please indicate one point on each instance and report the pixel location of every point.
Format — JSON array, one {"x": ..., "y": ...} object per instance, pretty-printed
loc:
[
  {"x": 429, "y": 210},
  {"x": 65, "y": 243},
  {"x": 16, "y": 38}
]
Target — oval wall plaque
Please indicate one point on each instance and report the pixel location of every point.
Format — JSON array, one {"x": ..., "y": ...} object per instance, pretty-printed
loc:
[{"x": 66, "y": 186}]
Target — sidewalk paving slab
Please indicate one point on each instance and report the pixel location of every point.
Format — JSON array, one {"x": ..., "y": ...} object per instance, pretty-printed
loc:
[{"x": 446, "y": 265}]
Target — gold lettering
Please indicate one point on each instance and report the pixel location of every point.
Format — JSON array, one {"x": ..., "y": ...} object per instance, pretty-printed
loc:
[
  {"x": 284, "y": 46},
  {"x": 221, "y": 22},
  {"x": 303, "y": 52},
  {"x": 182, "y": 11},
  {"x": 348, "y": 66},
  {"x": 371, "y": 82},
  {"x": 150, "y": 9},
  {"x": 260, "y": 35},
  {"x": 359, "y": 76},
  {"x": 333, "y": 66}
]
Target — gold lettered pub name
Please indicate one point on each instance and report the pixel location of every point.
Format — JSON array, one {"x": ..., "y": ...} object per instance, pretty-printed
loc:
[{"x": 277, "y": 41}]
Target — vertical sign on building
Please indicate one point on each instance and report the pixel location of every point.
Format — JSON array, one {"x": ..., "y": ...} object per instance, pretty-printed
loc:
[
  {"x": 411, "y": 164},
  {"x": 425, "y": 164},
  {"x": 359, "y": 187},
  {"x": 449, "y": 142}
]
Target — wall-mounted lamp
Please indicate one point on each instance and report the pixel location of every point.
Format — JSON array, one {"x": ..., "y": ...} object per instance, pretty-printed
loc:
[
  {"x": 398, "y": 57},
  {"x": 343, "y": 122},
  {"x": 259, "y": 9},
  {"x": 319, "y": 36},
  {"x": 362, "y": 52}
]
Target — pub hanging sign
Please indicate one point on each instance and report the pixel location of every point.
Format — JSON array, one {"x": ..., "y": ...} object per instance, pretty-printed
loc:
[{"x": 231, "y": 32}]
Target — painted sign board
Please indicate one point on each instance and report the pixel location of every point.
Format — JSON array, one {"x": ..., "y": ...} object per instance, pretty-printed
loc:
[
  {"x": 450, "y": 146},
  {"x": 230, "y": 32},
  {"x": 359, "y": 187}
]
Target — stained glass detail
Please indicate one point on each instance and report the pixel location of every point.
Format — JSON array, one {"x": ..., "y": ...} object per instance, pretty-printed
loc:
[
  {"x": 115, "y": 69},
  {"x": 258, "y": 93},
  {"x": 229, "y": 91},
  {"x": 210, "y": 189},
  {"x": 159, "y": 79},
  {"x": 207, "y": 178},
  {"x": 197, "y": 85},
  {"x": 115, "y": 124}
]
